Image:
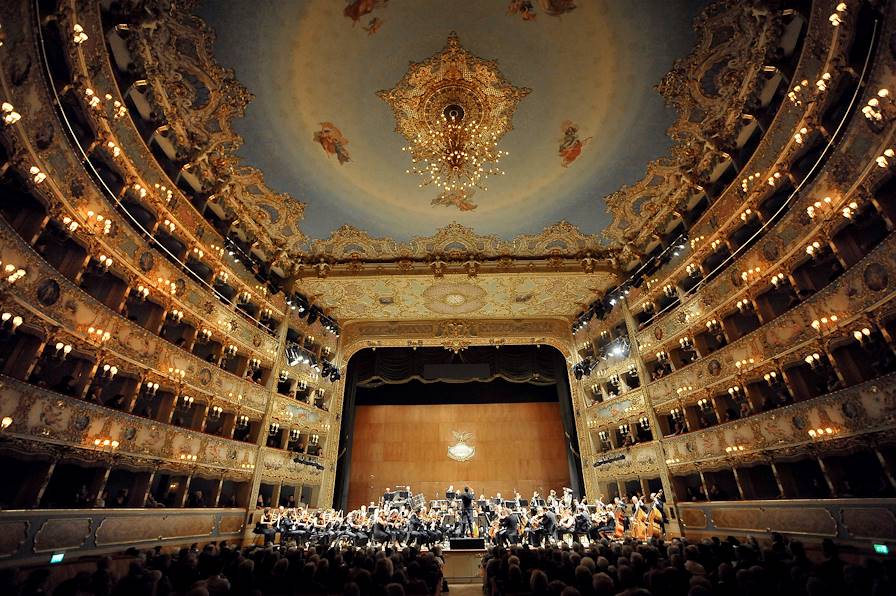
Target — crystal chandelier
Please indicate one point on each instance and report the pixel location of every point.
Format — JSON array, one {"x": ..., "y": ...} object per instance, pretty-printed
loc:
[
  {"x": 454, "y": 155},
  {"x": 453, "y": 109}
]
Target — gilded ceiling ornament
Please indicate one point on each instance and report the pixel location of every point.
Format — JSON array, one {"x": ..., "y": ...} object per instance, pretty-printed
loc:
[{"x": 453, "y": 109}]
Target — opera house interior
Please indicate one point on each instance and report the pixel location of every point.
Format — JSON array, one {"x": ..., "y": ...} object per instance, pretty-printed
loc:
[{"x": 544, "y": 297}]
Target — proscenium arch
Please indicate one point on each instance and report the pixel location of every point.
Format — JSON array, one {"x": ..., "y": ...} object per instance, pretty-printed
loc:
[{"x": 564, "y": 385}]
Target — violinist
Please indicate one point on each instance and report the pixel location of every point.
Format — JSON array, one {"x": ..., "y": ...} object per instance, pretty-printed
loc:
[
  {"x": 266, "y": 525},
  {"x": 535, "y": 530},
  {"x": 380, "y": 533},
  {"x": 567, "y": 522}
]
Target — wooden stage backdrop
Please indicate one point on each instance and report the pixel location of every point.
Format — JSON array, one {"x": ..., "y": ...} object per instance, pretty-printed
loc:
[{"x": 518, "y": 446}]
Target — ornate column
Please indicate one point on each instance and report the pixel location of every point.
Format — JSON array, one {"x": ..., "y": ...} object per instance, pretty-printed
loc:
[{"x": 644, "y": 376}]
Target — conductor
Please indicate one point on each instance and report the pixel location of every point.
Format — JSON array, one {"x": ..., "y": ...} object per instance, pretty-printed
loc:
[{"x": 466, "y": 519}]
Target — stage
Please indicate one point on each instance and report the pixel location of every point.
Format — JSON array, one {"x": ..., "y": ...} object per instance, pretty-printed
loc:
[{"x": 463, "y": 566}]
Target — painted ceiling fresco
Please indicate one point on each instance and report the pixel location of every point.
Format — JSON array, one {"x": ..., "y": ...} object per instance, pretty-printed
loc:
[{"x": 590, "y": 122}]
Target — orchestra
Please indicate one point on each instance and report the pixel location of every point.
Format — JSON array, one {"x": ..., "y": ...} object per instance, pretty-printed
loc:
[{"x": 402, "y": 519}]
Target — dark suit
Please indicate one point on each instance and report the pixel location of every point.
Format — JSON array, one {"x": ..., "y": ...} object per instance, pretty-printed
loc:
[{"x": 466, "y": 515}]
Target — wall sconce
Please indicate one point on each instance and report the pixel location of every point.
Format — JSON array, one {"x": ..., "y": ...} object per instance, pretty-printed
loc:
[
  {"x": 99, "y": 223},
  {"x": 254, "y": 363},
  {"x": 243, "y": 297},
  {"x": 167, "y": 285},
  {"x": 813, "y": 249},
  {"x": 669, "y": 290},
  {"x": 175, "y": 315},
  {"x": 105, "y": 443},
  {"x": 713, "y": 326},
  {"x": 882, "y": 160},
  {"x": 703, "y": 404},
  {"x": 9, "y": 323},
  {"x": 649, "y": 308},
  {"x": 97, "y": 334},
  {"x": 820, "y": 433},
  {"x": 118, "y": 110},
  {"x": 294, "y": 435},
  {"x": 284, "y": 375},
  {"x": 5, "y": 422},
  {"x": 230, "y": 351},
  {"x": 12, "y": 274},
  {"x": 169, "y": 225},
  {"x": 746, "y": 214},
  {"x": 825, "y": 324},
  {"x": 114, "y": 149},
  {"x": 632, "y": 370},
  {"x": 242, "y": 421},
  {"x": 813, "y": 360},
  {"x": 614, "y": 380},
  {"x": 747, "y": 182},
  {"x": 777, "y": 279},
  {"x": 685, "y": 343},
  {"x": 188, "y": 456},
  {"x": 150, "y": 389},
  {"x": 744, "y": 363},
  {"x": 849, "y": 211},
  {"x": 734, "y": 392},
  {"x": 800, "y": 135},
  {"x": 750, "y": 274},
  {"x": 734, "y": 448},
  {"x": 676, "y": 414},
  {"x": 185, "y": 401},
  {"x": 204, "y": 336},
  {"x": 836, "y": 17},
  {"x": 177, "y": 372},
  {"x": 604, "y": 436},
  {"x": 862, "y": 335},
  {"x": 69, "y": 225},
  {"x": 62, "y": 350},
  {"x": 247, "y": 466},
  {"x": 78, "y": 35},
  {"x": 745, "y": 305},
  {"x": 10, "y": 115},
  {"x": 265, "y": 315},
  {"x": 685, "y": 389},
  {"x": 692, "y": 270},
  {"x": 771, "y": 378},
  {"x": 662, "y": 356},
  {"x": 36, "y": 175},
  {"x": 774, "y": 179},
  {"x": 141, "y": 293},
  {"x": 103, "y": 263},
  {"x": 275, "y": 426},
  {"x": 108, "y": 372},
  {"x": 216, "y": 411},
  {"x": 798, "y": 94},
  {"x": 644, "y": 423},
  {"x": 819, "y": 206},
  {"x": 623, "y": 429},
  {"x": 822, "y": 83}
]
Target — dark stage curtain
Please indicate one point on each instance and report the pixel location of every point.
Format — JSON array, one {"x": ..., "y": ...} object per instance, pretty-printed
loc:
[{"x": 518, "y": 364}]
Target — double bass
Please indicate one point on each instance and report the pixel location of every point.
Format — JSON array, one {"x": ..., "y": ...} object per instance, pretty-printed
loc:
[{"x": 619, "y": 531}]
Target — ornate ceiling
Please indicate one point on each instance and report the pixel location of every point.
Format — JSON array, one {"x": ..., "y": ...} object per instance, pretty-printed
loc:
[
  {"x": 492, "y": 296},
  {"x": 621, "y": 115},
  {"x": 316, "y": 128}
]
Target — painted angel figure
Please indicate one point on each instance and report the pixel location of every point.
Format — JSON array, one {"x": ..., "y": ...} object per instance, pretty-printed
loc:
[
  {"x": 356, "y": 9},
  {"x": 332, "y": 141},
  {"x": 570, "y": 144}
]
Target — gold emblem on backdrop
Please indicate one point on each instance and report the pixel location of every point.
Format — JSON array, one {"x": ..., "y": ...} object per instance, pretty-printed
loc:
[{"x": 461, "y": 450}]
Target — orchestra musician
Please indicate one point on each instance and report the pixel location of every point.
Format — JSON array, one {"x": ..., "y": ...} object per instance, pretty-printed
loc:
[
  {"x": 266, "y": 525},
  {"x": 406, "y": 521},
  {"x": 508, "y": 532}
]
